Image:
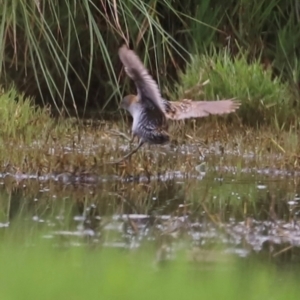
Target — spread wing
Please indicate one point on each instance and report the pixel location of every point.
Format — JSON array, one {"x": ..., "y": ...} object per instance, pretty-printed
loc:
[
  {"x": 147, "y": 88},
  {"x": 196, "y": 109}
]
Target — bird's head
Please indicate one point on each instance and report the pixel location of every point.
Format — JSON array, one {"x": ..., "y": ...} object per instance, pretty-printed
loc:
[{"x": 131, "y": 103}]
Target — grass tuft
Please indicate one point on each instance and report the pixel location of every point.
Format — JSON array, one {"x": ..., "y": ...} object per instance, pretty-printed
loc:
[
  {"x": 20, "y": 118},
  {"x": 265, "y": 98}
]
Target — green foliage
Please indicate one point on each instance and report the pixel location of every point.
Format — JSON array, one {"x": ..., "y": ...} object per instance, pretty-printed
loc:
[
  {"x": 66, "y": 52},
  {"x": 265, "y": 98},
  {"x": 269, "y": 30},
  {"x": 20, "y": 118}
]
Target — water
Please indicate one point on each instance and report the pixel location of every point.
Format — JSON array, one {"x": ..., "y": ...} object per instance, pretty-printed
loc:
[{"x": 242, "y": 211}]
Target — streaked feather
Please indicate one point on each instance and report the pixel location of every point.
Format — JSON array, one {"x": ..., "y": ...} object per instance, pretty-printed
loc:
[
  {"x": 197, "y": 109},
  {"x": 148, "y": 91}
]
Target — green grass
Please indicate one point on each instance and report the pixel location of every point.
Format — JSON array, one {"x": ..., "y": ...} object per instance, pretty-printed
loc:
[
  {"x": 265, "y": 98},
  {"x": 20, "y": 118},
  {"x": 65, "y": 54},
  {"x": 43, "y": 271}
]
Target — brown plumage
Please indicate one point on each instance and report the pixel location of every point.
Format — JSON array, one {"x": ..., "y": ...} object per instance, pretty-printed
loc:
[
  {"x": 187, "y": 108},
  {"x": 150, "y": 111}
]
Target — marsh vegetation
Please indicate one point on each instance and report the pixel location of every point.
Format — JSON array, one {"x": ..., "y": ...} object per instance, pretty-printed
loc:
[{"x": 223, "y": 194}]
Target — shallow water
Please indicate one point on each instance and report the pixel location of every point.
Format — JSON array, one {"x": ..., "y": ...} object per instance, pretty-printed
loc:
[{"x": 244, "y": 210}]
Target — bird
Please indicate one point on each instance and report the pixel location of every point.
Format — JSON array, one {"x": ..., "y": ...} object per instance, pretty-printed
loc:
[{"x": 151, "y": 112}]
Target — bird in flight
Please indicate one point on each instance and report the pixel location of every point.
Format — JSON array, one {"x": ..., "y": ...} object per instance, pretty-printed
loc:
[{"x": 150, "y": 111}]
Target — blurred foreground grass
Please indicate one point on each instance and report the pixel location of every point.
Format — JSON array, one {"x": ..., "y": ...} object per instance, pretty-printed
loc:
[{"x": 38, "y": 271}]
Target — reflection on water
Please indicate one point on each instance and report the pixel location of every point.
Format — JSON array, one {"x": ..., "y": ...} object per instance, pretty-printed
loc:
[{"x": 242, "y": 213}]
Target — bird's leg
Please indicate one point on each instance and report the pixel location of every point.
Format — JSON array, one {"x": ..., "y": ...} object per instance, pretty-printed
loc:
[
  {"x": 141, "y": 143},
  {"x": 131, "y": 140},
  {"x": 123, "y": 135}
]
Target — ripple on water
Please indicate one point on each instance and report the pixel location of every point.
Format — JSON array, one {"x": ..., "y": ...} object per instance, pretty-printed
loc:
[{"x": 246, "y": 210}]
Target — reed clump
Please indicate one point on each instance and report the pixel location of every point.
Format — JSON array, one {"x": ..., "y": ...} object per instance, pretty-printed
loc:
[{"x": 65, "y": 54}]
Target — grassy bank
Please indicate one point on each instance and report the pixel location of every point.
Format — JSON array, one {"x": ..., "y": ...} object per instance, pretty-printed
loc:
[{"x": 265, "y": 127}]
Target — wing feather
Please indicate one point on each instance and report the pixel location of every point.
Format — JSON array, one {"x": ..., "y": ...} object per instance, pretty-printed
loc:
[
  {"x": 148, "y": 91},
  {"x": 196, "y": 109}
]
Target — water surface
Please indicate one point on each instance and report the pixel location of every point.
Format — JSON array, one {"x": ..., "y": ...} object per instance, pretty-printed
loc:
[{"x": 244, "y": 211}]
